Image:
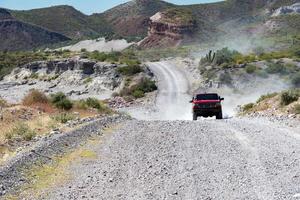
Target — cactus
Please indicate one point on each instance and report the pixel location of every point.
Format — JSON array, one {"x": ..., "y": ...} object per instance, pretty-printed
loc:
[{"x": 210, "y": 57}]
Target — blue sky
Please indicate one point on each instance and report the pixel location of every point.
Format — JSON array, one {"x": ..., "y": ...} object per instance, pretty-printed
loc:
[{"x": 86, "y": 6}]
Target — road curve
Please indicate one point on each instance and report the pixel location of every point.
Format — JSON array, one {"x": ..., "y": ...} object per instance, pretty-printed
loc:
[
  {"x": 229, "y": 159},
  {"x": 172, "y": 101}
]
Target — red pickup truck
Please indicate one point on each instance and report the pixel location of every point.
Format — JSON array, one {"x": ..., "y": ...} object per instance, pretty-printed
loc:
[{"x": 207, "y": 105}]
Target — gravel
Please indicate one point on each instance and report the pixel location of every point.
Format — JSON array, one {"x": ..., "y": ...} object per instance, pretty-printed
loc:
[
  {"x": 207, "y": 159},
  {"x": 12, "y": 172}
]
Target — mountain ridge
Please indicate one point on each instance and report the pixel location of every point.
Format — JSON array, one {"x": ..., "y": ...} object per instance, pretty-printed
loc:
[{"x": 131, "y": 20}]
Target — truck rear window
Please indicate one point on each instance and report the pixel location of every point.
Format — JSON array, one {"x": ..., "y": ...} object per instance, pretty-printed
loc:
[{"x": 207, "y": 97}]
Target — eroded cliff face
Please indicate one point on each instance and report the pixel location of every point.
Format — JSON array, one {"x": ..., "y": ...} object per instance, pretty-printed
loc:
[{"x": 164, "y": 31}]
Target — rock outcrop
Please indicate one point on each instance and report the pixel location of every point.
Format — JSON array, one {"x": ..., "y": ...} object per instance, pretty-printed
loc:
[
  {"x": 78, "y": 78},
  {"x": 165, "y": 31},
  {"x": 293, "y": 9}
]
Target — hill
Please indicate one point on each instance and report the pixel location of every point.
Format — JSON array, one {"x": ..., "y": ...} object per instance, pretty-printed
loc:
[
  {"x": 17, "y": 35},
  {"x": 62, "y": 19},
  {"x": 131, "y": 20}
]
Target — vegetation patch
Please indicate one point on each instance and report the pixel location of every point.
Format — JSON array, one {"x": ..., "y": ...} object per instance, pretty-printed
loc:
[
  {"x": 130, "y": 70},
  {"x": 63, "y": 117},
  {"x": 289, "y": 97},
  {"x": 145, "y": 85},
  {"x": 267, "y": 96},
  {"x": 35, "y": 97},
  {"x": 60, "y": 101},
  {"x": 20, "y": 131},
  {"x": 248, "y": 107}
]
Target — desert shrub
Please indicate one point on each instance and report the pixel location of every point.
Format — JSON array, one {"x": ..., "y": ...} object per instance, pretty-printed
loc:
[
  {"x": 289, "y": 97},
  {"x": 250, "y": 69},
  {"x": 81, "y": 104},
  {"x": 93, "y": 103},
  {"x": 138, "y": 94},
  {"x": 296, "y": 79},
  {"x": 145, "y": 85},
  {"x": 297, "y": 109},
  {"x": 247, "y": 107},
  {"x": 226, "y": 55},
  {"x": 275, "y": 68},
  {"x": 20, "y": 131},
  {"x": 63, "y": 117},
  {"x": 240, "y": 59},
  {"x": 83, "y": 50},
  {"x": 60, "y": 101},
  {"x": 130, "y": 70},
  {"x": 35, "y": 97},
  {"x": 267, "y": 96}
]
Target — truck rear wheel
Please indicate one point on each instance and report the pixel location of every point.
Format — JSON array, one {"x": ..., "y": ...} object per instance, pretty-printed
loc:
[
  {"x": 219, "y": 115},
  {"x": 195, "y": 117}
]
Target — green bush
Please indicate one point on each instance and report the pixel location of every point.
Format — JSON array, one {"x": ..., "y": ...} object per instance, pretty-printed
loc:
[
  {"x": 130, "y": 70},
  {"x": 60, "y": 101},
  {"x": 250, "y": 69},
  {"x": 146, "y": 85},
  {"x": 247, "y": 107},
  {"x": 138, "y": 94},
  {"x": 33, "y": 97},
  {"x": 267, "y": 96},
  {"x": 63, "y": 117},
  {"x": 276, "y": 68},
  {"x": 296, "y": 79},
  {"x": 226, "y": 55},
  {"x": 289, "y": 97},
  {"x": 93, "y": 103},
  {"x": 20, "y": 131}
]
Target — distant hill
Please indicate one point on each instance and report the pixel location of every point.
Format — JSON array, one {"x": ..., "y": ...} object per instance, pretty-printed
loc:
[
  {"x": 4, "y": 14},
  {"x": 62, "y": 19},
  {"x": 131, "y": 20},
  {"x": 16, "y": 35}
]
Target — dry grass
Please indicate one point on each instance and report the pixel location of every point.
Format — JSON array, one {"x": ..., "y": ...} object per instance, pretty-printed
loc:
[
  {"x": 34, "y": 97},
  {"x": 48, "y": 176}
]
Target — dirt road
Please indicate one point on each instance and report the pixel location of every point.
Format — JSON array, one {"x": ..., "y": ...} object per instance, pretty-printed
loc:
[
  {"x": 172, "y": 102},
  {"x": 154, "y": 157},
  {"x": 230, "y": 159}
]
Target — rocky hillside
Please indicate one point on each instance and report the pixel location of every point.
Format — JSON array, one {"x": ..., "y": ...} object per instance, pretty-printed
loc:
[
  {"x": 17, "y": 35},
  {"x": 62, "y": 19},
  {"x": 131, "y": 20}
]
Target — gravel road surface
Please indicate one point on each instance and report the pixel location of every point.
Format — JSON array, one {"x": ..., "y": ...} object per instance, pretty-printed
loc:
[
  {"x": 154, "y": 157},
  {"x": 207, "y": 159},
  {"x": 172, "y": 102}
]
